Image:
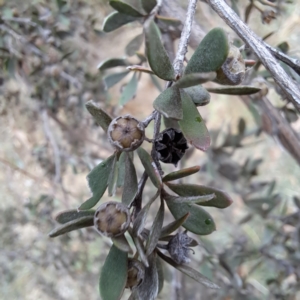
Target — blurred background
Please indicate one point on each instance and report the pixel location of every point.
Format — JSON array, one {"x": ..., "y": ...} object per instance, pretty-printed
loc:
[{"x": 49, "y": 52}]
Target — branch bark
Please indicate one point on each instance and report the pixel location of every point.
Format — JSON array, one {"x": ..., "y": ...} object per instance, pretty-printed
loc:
[
  {"x": 184, "y": 39},
  {"x": 287, "y": 84}
]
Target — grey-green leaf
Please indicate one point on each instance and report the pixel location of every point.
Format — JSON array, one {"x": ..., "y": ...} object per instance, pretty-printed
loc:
[
  {"x": 147, "y": 163},
  {"x": 122, "y": 243},
  {"x": 199, "y": 95},
  {"x": 113, "y": 176},
  {"x": 70, "y": 215},
  {"x": 169, "y": 103},
  {"x": 130, "y": 182},
  {"x": 99, "y": 115},
  {"x": 134, "y": 45},
  {"x": 160, "y": 273},
  {"x": 168, "y": 229},
  {"x": 148, "y": 5},
  {"x": 181, "y": 173},
  {"x": 158, "y": 58},
  {"x": 124, "y": 8},
  {"x": 98, "y": 180},
  {"x": 234, "y": 90},
  {"x": 155, "y": 231},
  {"x": 113, "y": 274},
  {"x": 210, "y": 54},
  {"x": 112, "y": 79},
  {"x": 129, "y": 90},
  {"x": 116, "y": 20},
  {"x": 195, "y": 79},
  {"x": 112, "y": 63},
  {"x": 199, "y": 221},
  {"x": 192, "y": 125},
  {"x": 221, "y": 200},
  {"x": 72, "y": 225},
  {"x": 189, "y": 272}
]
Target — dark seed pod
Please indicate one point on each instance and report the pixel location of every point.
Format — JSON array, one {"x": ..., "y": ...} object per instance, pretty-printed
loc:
[
  {"x": 178, "y": 248},
  {"x": 112, "y": 218},
  {"x": 171, "y": 146},
  {"x": 135, "y": 274},
  {"x": 233, "y": 69},
  {"x": 126, "y": 133}
]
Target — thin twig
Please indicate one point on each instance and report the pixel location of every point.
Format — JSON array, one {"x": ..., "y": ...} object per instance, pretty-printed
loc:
[
  {"x": 294, "y": 63},
  {"x": 184, "y": 39},
  {"x": 290, "y": 89},
  {"x": 56, "y": 152}
]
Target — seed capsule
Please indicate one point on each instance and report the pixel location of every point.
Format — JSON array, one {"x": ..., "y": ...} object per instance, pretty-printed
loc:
[
  {"x": 170, "y": 146},
  {"x": 112, "y": 219},
  {"x": 135, "y": 274},
  {"x": 126, "y": 133}
]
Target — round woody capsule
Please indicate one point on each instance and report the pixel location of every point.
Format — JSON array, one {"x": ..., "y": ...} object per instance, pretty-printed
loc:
[
  {"x": 112, "y": 219},
  {"x": 135, "y": 273},
  {"x": 126, "y": 133}
]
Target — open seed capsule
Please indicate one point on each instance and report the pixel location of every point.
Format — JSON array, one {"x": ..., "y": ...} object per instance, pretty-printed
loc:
[{"x": 112, "y": 218}]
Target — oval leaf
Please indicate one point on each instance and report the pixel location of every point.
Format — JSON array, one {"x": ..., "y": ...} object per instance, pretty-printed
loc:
[
  {"x": 210, "y": 54},
  {"x": 124, "y": 8},
  {"x": 199, "y": 221},
  {"x": 130, "y": 182},
  {"x": 181, "y": 173},
  {"x": 147, "y": 163},
  {"x": 113, "y": 274},
  {"x": 221, "y": 200},
  {"x": 116, "y": 20},
  {"x": 189, "y": 272},
  {"x": 195, "y": 79},
  {"x": 199, "y": 95},
  {"x": 112, "y": 63},
  {"x": 236, "y": 90},
  {"x": 72, "y": 225},
  {"x": 112, "y": 79},
  {"x": 129, "y": 90},
  {"x": 148, "y": 5},
  {"x": 169, "y": 103},
  {"x": 70, "y": 215},
  {"x": 134, "y": 45},
  {"x": 157, "y": 56},
  {"x": 97, "y": 180},
  {"x": 113, "y": 176},
  {"x": 192, "y": 124},
  {"x": 99, "y": 115}
]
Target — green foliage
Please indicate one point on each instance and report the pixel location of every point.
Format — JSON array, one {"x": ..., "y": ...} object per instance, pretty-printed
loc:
[
  {"x": 124, "y": 8},
  {"x": 156, "y": 53},
  {"x": 169, "y": 103},
  {"x": 116, "y": 20},
  {"x": 192, "y": 124},
  {"x": 210, "y": 54},
  {"x": 198, "y": 94},
  {"x": 113, "y": 274},
  {"x": 237, "y": 90},
  {"x": 98, "y": 181},
  {"x": 129, "y": 90}
]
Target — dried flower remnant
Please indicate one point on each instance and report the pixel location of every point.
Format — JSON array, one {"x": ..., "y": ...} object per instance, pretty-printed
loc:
[
  {"x": 267, "y": 16},
  {"x": 112, "y": 219},
  {"x": 171, "y": 146},
  {"x": 126, "y": 133},
  {"x": 178, "y": 248},
  {"x": 136, "y": 273}
]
